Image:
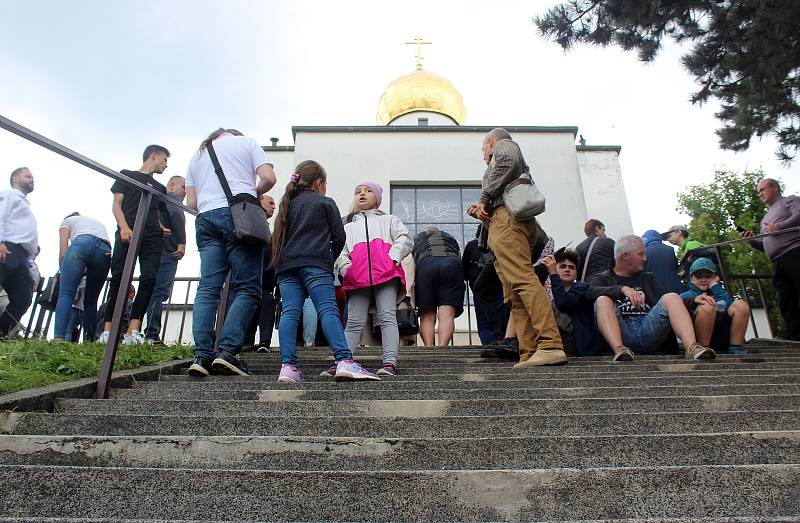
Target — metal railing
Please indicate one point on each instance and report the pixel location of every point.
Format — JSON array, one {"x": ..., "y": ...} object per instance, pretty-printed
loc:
[
  {"x": 147, "y": 196},
  {"x": 741, "y": 279}
]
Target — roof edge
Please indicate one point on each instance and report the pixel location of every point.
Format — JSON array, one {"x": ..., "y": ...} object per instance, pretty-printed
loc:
[
  {"x": 430, "y": 129},
  {"x": 598, "y": 148}
]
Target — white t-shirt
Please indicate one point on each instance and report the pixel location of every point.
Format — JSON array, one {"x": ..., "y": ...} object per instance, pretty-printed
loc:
[
  {"x": 79, "y": 225},
  {"x": 239, "y": 157}
]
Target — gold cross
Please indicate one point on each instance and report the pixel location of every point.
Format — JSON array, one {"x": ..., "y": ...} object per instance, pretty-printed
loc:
[{"x": 418, "y": 42}]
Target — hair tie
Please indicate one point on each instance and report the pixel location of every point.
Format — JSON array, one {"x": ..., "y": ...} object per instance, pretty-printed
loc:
[{"x": 295, "y": 178}]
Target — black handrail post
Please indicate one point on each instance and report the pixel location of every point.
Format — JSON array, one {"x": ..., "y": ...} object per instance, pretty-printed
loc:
[
  {"x": 185, "y": 308},
  {"x": 747, "y": 300},
  {"x": 722, "y": 271},
  {"x": 766, "y": 308},
  {"x": 107, "y": 366},
  {"x": 222, "y": 309}
]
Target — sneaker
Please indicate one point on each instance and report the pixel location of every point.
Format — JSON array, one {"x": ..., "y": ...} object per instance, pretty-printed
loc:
[
  {"x": 544, "y": 357},
  {"x": 735, "y": 349},
  {"x": 329, "y": 373},
  {"x": 698, "y": 352},
  {"x": 134, "y": 338},
  {"x": 348, "y": 370},
  {"x": 104, "y": 337},
  {"x": 290, "y": 374},
  {"x": 623, "y": 354},
  {"x": 387, "y": 370},
  {"x": 263, "y": 348},
  {"x": 200, "y": 368},
  {"x": 227, "y": 363}
]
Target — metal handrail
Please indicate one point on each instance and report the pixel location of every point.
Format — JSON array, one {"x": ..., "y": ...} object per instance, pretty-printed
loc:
[{"x": 148, "y": 193}]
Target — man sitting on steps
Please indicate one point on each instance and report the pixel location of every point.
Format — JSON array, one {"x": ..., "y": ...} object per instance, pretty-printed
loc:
[{"x": 633, "y": 314}]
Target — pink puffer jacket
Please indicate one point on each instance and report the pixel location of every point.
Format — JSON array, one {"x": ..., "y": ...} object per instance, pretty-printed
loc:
[{"x": 375, "y": 241}]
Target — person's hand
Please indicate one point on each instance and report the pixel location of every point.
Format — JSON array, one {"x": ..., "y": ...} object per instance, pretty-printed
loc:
[
  {"x": 635, "y": 297},
  {"x": 746, "y": 234},
  {"x": 3, "y": 252},
  {"x": 705, "y": 299},
  {"x": 125, "y": 233},
  {"x": 770, "y": 227},
  {"x": 550, "y": 263},
  {"x": 166, "y": 233},
  {"x": 179, "y": 252},
  {"x": 478, "y": 211}
]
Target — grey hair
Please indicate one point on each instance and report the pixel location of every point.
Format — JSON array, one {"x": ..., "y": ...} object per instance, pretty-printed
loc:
[
  {"x": 627, "y": 244},
  {"x": 498, "y": 134},
  {"x": 770, "y": 181},
  {"x": 431, "y": 228}
]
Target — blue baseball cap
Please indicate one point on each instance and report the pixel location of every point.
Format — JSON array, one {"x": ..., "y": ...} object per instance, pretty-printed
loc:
[{"x": 702, "y": 263}]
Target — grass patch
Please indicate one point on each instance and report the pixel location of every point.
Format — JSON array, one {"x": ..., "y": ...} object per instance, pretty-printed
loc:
[{"x": 26, "y": 364}]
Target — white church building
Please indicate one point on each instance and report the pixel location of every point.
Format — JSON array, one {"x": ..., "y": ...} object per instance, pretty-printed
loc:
[{"x": 430, "y": 166}]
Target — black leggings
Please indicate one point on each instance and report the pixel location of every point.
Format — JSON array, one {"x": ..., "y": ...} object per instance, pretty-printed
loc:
[{"x": 149, "y": 262}]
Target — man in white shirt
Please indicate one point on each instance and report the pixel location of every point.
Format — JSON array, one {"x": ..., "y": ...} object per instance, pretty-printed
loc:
[
  {"x": 19, "y": 241},
  {"x": 248, "y": 171}
]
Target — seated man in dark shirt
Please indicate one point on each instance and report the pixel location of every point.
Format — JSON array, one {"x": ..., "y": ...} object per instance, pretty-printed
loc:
[
  {"x": 570, "y": 299},
  {"x": 632, "y": 311}
]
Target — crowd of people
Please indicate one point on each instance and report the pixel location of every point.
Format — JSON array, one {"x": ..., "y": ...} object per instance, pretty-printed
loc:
[{"x": 535, "y": 305}]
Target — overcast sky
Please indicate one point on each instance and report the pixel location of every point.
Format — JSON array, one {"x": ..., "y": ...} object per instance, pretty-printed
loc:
[{"x": 107, "y": 78}]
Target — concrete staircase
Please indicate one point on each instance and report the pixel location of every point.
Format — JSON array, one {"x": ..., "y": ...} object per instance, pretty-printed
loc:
[{"x": 454, "y": 438}]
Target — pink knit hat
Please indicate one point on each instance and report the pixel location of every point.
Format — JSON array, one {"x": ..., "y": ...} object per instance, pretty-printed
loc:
[{"x": 375, "y": 188}]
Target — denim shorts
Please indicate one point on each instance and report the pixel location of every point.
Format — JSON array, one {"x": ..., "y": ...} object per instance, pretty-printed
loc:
[{"x": 645, "y": 334}]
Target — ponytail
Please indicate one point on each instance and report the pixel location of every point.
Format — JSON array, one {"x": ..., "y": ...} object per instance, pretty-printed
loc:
[{"x": 305, "y": 174}]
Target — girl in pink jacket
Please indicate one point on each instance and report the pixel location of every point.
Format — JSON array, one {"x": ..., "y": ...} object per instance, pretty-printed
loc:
[{"x": 370, "y": 269}]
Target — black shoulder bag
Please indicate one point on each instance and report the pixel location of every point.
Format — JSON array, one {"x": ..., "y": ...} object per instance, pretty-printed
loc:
[{"x": 249, "y": 220}]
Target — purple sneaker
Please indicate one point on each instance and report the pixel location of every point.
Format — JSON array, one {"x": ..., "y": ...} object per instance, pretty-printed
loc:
[
  {"x": 348, "y": 370},
  {"x": 290, "y": 374},
  {"x": 329, "y": 372}
]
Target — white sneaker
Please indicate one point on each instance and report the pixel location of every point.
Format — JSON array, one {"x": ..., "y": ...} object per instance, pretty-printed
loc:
[
  {"x": 103, "y": 337},
  {"x": 134, "y": 338}
]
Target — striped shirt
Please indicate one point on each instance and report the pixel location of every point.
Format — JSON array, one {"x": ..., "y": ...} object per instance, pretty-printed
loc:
[{"x": 505, "y": 166}]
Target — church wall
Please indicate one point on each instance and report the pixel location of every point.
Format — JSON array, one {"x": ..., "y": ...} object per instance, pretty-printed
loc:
[
  {"x": 604, "y": 190},
  {"x": 283, "y": 163},
  {"x": 442, "y": 157}
]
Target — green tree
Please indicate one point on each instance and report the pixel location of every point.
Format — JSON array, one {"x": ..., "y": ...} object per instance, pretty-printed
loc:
[
  {"x": 745, "y": 53},
  {"x": 715, "y": 210}
]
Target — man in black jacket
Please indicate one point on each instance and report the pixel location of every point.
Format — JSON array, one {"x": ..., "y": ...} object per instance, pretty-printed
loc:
[
  {"x": 174, "y": 250},
  {"x": 633, "y": 314},
  {"x": 596, "y": 249}
]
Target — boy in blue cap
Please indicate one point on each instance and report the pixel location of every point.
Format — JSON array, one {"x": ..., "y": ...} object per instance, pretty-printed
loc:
[{"x": 719, "y": 320}]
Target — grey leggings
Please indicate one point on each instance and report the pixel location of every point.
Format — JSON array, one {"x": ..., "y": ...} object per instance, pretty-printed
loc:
[{"x": 358, "y": 302}]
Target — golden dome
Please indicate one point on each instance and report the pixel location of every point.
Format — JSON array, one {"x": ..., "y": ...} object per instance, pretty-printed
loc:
[{"x": 421, "y": 91}]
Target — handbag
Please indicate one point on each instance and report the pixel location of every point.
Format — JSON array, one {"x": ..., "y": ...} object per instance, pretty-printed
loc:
[
  {"x": 522, "y": 198},
  {"x": 249, "y": 219},
  {"x": 49, "y": 296},
  {"x": 408, "y": 319}
]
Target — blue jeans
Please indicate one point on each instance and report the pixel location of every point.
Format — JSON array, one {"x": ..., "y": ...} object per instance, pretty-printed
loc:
[
  {"x": 161, "y": 293},
  {"x": 645, "y": 334},
  {"x": 221, "y": 252},
  {"x": 87, "y": 254},
  {"x": 296, "y": 285}
]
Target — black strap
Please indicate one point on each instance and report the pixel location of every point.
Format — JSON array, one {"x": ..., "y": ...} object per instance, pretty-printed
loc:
[{"x": 220, "y": 174}]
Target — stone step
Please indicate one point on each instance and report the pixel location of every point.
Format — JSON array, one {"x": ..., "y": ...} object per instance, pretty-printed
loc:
[
  {"x": 506, "y": 368},
  {"x": 525, "y": 379},
  {"x": 509, "y": 495},
  {"x": 312, "y": 376},
  {"x": 428, "y": 408},
  {"x": 345, "y": 393},
  {"x": 374, "y": 454},
  {"x": 693, "y": 420}
]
